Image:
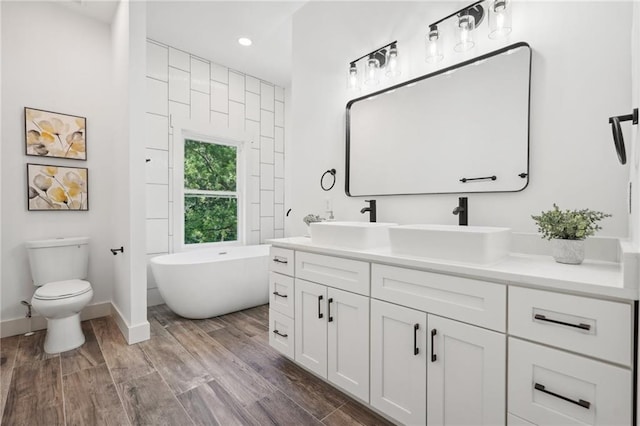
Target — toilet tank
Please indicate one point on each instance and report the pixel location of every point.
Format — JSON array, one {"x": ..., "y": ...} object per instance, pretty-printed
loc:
[{"x": 58, "y": 259}]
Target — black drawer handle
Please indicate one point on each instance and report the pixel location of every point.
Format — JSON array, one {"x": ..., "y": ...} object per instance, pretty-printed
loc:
[
  {"x": 329, "y": 313},
  {"x": 416, "y": 350},
  {"x": 320, "y": 314},
  {"x": 275, "y": 293},
  {"x": 280, "y": 334},
  {"x": 434, "y": 357},
  {"x": 278, "y": 260},
  {"x": 581, "y": 326},
  {"x": 580, "y": 402}
]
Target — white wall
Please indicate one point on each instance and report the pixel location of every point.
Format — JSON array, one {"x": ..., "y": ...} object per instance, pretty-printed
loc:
[
  {"x": 54, "y": 59},
  {"x": 580, "y": 77},
  {"x": 633, "y": 142},
  {"x": 187, "y": 87},
  {"x": 127, "y": 222}
]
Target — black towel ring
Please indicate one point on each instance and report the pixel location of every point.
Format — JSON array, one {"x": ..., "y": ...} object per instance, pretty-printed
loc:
[
  {"x": 332, "y": 172},
  {"x": 618, "y": 139}
]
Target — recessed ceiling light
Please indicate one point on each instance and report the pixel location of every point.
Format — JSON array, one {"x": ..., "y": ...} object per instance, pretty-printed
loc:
[{"x": 244, "y": 41}]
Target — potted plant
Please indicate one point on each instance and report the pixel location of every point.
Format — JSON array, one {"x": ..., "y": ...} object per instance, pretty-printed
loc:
[{"x": 567, "y": 231}]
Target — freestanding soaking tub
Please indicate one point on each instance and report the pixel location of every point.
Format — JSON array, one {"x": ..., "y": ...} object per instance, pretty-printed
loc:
[{"x": 211, "y": 282}]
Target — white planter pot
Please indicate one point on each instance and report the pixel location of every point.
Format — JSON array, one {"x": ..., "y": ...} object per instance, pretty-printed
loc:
[{"x": 568, "y": 251}]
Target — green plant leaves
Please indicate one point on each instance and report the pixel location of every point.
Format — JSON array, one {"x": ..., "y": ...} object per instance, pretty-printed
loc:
[{"x": 569, "y": 224}]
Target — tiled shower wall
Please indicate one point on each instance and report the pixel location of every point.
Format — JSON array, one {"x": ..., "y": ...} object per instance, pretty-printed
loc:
[{"x": 185, "y": 86}]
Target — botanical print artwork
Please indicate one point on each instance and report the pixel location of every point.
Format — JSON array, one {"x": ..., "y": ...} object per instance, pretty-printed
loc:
[
  {"x": 51, "y": 134},
  {"x": 57, "y": 188}
]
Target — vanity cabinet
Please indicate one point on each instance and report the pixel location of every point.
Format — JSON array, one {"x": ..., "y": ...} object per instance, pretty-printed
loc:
[
  {"x": 465, "y": 374},
  {"x": 332, "y": 335},
  {"x": 281, "y": 301},
  {"x": 424, "y": 347},
  {"x": 399, "y": 362}
]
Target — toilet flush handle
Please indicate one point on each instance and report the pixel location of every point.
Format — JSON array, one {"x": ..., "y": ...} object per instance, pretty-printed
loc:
[{"x": 116, "y": 250}]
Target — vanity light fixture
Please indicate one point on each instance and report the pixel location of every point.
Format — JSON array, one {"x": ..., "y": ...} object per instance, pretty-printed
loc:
[
  {"x": 467, "y": 20},
  {"x": 382, "y": 59},
  {"x": 499, "y": 19}
]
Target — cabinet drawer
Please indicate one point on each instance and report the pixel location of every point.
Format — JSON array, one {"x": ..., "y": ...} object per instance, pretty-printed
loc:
[
  {"x": 517, "y": 421},
  {"x": 551, "y": 387},
  {"x": 281, "y": 261},
  {"x": 281, "y": 293},
  {"x": 281, "y": 336},
  {"x": 476, "y": 302},
  {"x": 598, "y": 328},
  {"x": 345, "y": 274}
]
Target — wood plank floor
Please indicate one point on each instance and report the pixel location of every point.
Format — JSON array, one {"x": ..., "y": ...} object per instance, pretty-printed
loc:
[{"x": 217, "y": 371}]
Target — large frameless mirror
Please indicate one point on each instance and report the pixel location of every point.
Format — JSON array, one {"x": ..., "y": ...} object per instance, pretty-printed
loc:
[{"x": 459, "y": 130}]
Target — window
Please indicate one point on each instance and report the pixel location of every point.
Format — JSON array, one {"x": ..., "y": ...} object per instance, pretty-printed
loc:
[{"x": 210, "y": 192}]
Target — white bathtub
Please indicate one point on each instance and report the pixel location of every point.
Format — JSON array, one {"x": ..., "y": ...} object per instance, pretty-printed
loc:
[{"x": 211, "y": 282}]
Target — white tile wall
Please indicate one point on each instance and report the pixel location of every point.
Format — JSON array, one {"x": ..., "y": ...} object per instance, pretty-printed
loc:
[
  {"x": 157, "y": 61},
  {"x": 184, "y": 86},
  {"x": 179, "y": 85},
  {"x": 200, "y": 76}
]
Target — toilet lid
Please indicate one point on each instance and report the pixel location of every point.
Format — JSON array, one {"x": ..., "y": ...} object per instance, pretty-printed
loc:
[{"x": 62, "y": 289}]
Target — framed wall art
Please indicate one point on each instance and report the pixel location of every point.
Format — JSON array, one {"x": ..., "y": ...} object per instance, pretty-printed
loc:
[
  {"x": 53, "y": 134},
  {"x": 57, "y": 188}
]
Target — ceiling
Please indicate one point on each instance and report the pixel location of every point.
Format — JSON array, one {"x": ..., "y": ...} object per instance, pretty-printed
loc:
[{"x": 210, "y": 29}]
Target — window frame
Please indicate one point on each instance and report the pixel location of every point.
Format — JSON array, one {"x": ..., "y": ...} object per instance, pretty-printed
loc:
[{"x": 187, "y": 130}]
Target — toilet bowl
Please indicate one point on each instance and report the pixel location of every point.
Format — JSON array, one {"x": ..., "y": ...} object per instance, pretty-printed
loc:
[
  {"x": 60, "y": 303},
  {"x": 59, "y": 267}
]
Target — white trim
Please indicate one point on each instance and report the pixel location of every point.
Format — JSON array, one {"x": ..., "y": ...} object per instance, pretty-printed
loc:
[
  {"x": 17, "y": 326},
  {"x": 132, "y": 334},
  {"x": 183, "y": 129}
]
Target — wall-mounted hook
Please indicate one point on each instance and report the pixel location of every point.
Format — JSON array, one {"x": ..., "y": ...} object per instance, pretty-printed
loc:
[
  {"x": 116, "y": 250},
  {"x": 618, "y": 139},
  {"x": 147, "y": 160}
]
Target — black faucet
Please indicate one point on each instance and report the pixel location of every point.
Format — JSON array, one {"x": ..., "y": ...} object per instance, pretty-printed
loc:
[
  {"x": 462, "y": 211},
  {"x": 371, "y": 209}
]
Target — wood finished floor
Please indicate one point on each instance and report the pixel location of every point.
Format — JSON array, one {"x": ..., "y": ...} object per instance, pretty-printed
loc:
[{"x": 217, "y": 371}]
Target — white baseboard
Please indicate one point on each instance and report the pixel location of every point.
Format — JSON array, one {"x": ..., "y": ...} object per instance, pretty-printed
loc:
[
  {"x": 132, "y": 334},
  {"x": 17, "y": 326},
  {"x": 153, "y": 297}
]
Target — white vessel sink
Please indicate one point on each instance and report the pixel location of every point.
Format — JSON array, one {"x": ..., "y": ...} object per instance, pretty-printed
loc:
[
  {"x": 470, "y": 244},
  {"x": 354, "y": 235}
]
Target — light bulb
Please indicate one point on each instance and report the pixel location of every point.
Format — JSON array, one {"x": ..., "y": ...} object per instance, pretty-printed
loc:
[
  {"x": 352, "y": 77},
  {"x": 466, "y": 24},
  {"x": 373, "y": 66},
  {"x": 434, "y": 45},
  {"x": 499, "y": 19},
  {"x": 393, "y": 69}
]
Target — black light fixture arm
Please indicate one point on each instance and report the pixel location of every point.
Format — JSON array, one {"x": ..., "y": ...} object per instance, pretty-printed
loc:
[
  {"x": 374, "y": 51},
  {"x": 455, "y": 13},
  {"x": 633, "y": 117}
]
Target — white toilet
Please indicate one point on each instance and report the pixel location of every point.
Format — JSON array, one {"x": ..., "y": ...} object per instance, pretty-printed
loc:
[{"x": 58, "y": 269}]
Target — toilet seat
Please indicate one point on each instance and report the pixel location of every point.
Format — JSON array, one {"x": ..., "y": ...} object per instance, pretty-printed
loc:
[{"x": 62, "y": 289}]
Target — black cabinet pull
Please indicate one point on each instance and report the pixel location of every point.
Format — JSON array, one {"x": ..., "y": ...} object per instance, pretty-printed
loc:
[
  {"x": 434, "y": 357},
  {"x": 278, "y": 260},
  {"x": 581, "y": 326},
  {"x": 329, "y": 308},
  {"x": 416, "y": 350},
  {"x": 320, "y": 314},
  {"x": 580, "y": 402},
  {"x": 275, "y": 293},
  {"x": 280, "y": 334}
]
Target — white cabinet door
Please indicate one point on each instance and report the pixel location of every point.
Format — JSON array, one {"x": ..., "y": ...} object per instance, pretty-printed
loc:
[
  {"x": 466, "y": 374},
  {"x": 348, "y": 342},
  {"x": 311, "y": 326},
  {"x": 399, "y": 362}
]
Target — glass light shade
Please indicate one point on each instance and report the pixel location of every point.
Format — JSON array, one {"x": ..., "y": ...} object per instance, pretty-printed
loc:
[
  {"x": 499, "y": 19},
  {"x": 393, "y": 68},
  {"x": 466, "y": 24},
  {"x": 434, "y": 46},
  {"x": 372, "y": 72},
  {"x": 352, "y": 77}
]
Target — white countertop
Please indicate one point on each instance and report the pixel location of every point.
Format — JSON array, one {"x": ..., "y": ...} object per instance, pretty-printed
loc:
[{"x": 595, "y": 278}]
